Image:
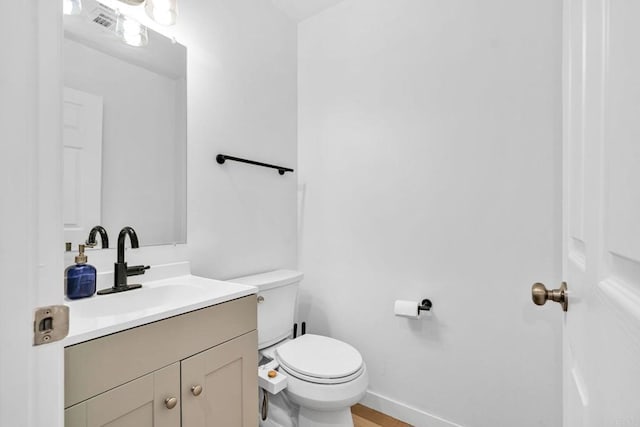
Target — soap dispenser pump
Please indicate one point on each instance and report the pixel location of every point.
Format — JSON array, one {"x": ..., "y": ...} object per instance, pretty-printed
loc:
[{"x": 81, "y": 277}]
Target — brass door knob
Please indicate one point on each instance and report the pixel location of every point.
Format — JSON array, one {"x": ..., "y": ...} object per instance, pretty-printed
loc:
[
  {"x": 540, "y": 295},
  {"x": 196, "y": 390},
  {"x": 170, "y": 402}
]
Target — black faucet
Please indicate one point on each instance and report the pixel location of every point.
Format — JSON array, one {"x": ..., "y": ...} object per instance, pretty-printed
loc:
[
  {"x": 104, "y": 238},
  {"x": 120, "y": 270}
]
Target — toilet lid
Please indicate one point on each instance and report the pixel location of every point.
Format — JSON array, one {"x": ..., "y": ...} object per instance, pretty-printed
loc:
[{"x": 314, "y": 357}]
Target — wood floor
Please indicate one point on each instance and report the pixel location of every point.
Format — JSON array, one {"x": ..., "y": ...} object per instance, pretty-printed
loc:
[{"x": 367, "y": 417}]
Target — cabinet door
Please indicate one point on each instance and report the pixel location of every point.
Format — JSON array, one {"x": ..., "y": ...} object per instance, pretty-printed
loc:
[
  {"x": 227, "y": 375},
  {"x": 139, "y": 403},
  {"x": 76, "y": 416}
]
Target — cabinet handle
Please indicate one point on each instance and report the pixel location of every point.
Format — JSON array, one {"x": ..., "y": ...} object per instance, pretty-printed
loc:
[
  {"x": 196, "y": 390},
  {"x": 170, "y": 402}
]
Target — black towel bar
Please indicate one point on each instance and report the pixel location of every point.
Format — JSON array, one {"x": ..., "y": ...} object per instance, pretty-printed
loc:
[{"x": 220, "y": 158}]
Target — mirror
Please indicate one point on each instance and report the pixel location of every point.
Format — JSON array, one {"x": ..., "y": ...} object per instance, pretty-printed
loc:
[{"x": 125, "y": 130}]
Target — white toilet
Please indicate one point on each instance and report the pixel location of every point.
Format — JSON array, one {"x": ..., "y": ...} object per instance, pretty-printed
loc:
[{"x": 325, "y": 376}]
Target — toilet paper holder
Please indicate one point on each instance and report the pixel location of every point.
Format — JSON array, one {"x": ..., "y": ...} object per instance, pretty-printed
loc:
[{"x": 425, "y": 305}]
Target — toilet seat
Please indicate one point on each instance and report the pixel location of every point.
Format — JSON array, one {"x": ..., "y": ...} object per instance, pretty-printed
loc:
[{"x": 319, "y": 359}]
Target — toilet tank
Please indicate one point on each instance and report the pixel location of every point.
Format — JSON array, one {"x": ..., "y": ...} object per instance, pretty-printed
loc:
[{"x": 277, "y": 294}]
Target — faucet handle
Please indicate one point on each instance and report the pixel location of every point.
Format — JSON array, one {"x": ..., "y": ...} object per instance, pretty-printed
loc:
[{"x": 136, "y": 270}]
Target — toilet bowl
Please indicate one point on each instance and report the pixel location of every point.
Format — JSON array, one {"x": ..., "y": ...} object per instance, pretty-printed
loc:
[{"x": 325, "y": 376}]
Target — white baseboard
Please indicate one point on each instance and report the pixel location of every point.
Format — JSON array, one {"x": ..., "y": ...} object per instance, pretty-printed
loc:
[{"x": 404, "y": 412}]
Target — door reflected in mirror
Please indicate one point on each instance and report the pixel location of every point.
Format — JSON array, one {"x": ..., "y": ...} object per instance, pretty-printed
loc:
[{"x": 125, "y": 130}]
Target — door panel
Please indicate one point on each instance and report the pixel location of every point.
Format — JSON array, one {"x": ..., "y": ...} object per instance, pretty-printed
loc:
[
  {"x": 141, "y": 416},
  {"x": 226, "y": 402},
  {"x": 82, "y": 173},
  {"x": 602, "y": 212},
  {"x": 227, "y": 375},
  {"x": 138, "y": 403},
  {"x": 76, "y": 416},
  {"x": 622, "y": 128},
  {"x": 574, "y": 120},
  {"x": 129, "y": 405},
  {"x": 618, "y": 293}
]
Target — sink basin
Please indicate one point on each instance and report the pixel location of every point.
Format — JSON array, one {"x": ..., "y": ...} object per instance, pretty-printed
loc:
[
  {"x": 104, "y": 314},
  {"x": 137, "y": 301}
]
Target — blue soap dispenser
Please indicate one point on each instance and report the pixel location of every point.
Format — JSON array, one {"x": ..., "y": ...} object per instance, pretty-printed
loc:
[{"x": 81, "y": 277}]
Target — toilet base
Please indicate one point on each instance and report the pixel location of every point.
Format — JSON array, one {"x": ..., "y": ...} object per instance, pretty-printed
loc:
[
  {"x": 284, "y": 413},
  {"x": 310, "y": 418}
]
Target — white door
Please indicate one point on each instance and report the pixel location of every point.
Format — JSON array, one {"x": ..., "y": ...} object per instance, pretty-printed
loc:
[
  {"x": 82, "y": 186},
  {"x": 31, "y": 250},
  {"x": 602, "y": 213}
]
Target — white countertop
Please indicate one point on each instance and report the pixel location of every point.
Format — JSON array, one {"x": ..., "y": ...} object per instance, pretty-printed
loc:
[{"x": 101, "y": 315}]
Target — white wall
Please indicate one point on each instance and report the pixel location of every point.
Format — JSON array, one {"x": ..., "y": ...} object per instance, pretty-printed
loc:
[
  {"x": 242, "y": 102},
  {"x": 430, "y": 155}
]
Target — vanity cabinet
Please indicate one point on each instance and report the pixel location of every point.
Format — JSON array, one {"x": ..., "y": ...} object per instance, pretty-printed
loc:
[
  {"x": 143, "y": 402},
  {"x": 217, "y": 383},
  {"x": 196, "y": 369}
]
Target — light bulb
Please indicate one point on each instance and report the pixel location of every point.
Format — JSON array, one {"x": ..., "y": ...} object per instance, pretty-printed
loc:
[
  {"x": 132, "y": 32},
  {"x": 71, "y": 7},
  {"x": 164, "y": 12}
]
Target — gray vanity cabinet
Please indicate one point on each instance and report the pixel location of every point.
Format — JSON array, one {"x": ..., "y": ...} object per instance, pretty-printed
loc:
[
  {"x": 149, "y": 401},
  {"x": 197, "y": 369},
  {"x": 218, "y": 385}
]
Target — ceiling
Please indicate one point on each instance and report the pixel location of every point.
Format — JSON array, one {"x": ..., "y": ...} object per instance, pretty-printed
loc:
[{"x": 299, "y": 10}]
